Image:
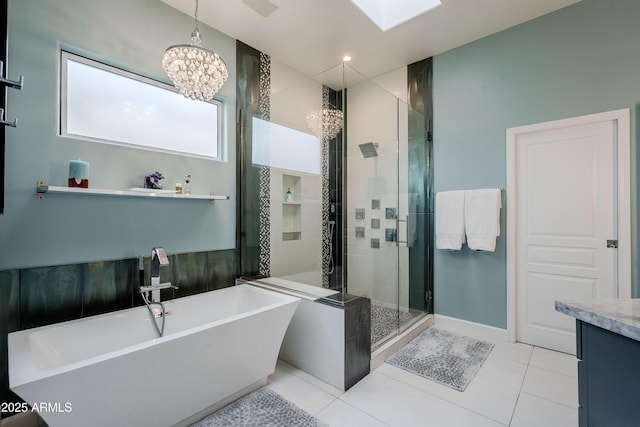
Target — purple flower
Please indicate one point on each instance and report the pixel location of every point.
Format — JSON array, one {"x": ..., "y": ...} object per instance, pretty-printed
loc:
[{"x": 153, "y": 180}]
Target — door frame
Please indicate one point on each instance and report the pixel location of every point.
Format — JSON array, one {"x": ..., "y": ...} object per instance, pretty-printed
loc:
[{"x": 622, "y": 137}]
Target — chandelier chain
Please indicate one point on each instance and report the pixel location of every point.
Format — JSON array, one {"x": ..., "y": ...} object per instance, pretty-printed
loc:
[{"x": 196, "y": 15}]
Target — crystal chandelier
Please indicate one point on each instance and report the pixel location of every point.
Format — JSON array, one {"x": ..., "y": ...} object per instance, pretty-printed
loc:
[
  {"x": 326, "y": 122},
  {"x": 197, "y": 73}
]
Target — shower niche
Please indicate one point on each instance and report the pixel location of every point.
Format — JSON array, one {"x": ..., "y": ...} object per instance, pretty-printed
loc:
[{"x": 291, "y": 208}]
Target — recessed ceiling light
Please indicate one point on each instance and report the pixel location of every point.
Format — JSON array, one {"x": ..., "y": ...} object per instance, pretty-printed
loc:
[
  {"x": 346, "y": 58},
  {"x": 387, "y": 14}
]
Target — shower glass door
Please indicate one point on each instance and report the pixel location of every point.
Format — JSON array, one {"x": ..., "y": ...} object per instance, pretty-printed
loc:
[
  {"x": 377, "y": 188},
  {"x": 377, "y": 203}
]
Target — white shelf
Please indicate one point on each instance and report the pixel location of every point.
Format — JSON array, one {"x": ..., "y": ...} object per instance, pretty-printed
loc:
[
  {"x": 291, "y": 235},
  {"x": 292, "y": 230},
  {"x": 42, "y": 188}
]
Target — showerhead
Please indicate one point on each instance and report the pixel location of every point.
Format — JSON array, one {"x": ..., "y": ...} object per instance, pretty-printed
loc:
[{"x": 369, "y": 149}]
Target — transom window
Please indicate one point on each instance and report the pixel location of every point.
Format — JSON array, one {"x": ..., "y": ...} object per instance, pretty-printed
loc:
[
  {"x": 282, "y": 147},
  {"x": 107, "y": 104}
]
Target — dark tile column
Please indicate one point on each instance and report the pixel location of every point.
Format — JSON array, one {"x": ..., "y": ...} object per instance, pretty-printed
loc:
[
  {"x": 248, "y": 176},
  {"x": 420, "y": 99},
  {"x": 337, "y": 184}
]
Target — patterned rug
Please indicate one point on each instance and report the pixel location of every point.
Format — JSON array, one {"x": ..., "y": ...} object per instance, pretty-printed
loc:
[
  {"x": 261, "y": 408},
  {"x": 444, "y": 357}
]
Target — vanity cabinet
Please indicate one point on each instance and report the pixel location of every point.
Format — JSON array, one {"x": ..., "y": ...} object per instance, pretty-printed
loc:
[
  {"x": 608, "y": 352},
  {"x": 608, "y": 377}
]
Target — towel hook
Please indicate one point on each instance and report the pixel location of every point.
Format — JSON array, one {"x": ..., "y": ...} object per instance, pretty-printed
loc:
[
  {"x": 10, "y": 83},
  {"x": 12, "y": 124}
]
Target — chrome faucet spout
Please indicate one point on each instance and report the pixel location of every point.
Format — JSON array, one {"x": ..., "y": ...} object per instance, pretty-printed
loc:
[
  {"x": 158, "y": 258},
  {"x": 161, "y": 254}
]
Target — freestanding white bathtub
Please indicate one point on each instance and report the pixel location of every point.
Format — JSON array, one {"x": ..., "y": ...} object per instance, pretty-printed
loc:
[{"x": 113, "y": 369}]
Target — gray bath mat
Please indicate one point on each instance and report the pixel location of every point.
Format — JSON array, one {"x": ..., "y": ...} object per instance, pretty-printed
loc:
[
  {"x": 444, "y": 357},
  {"x": 263, "y": 407}
]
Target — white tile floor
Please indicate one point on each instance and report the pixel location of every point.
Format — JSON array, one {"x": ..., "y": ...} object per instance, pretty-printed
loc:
[{"x": 518, "y": 386}]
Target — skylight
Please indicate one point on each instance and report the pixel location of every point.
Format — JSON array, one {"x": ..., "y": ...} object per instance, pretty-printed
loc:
[{"x": 387, "y": 14}]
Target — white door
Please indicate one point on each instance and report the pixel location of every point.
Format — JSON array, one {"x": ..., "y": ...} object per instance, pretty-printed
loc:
[{"x": 566, "y": 191}]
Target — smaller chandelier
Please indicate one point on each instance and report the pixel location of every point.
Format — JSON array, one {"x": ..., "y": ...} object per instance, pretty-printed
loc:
[
  {"x": 197, "y": 73},
  {"x": 326, "y": 122}
]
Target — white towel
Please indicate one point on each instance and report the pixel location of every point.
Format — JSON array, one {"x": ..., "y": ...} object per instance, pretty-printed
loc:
[
  {"x": 450, "y": 220},
  {"x": 482, "y": 218}
]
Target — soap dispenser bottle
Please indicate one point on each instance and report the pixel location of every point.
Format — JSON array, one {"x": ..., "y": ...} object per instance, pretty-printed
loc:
[{"x": 289, "y": 195}]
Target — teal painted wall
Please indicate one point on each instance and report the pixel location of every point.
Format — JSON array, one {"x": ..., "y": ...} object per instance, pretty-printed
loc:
[
  {"x": 579, "y": 60},
  {"x": 71, "y": 229}
]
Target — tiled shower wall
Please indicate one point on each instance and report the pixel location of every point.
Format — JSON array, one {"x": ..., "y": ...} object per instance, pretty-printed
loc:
[{"x": 39, "y": 296}]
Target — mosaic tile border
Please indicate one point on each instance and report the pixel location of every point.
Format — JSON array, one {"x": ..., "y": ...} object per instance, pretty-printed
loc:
[
  {"x": 264, "y": 106},
  {"x": 326, "y": 230}
]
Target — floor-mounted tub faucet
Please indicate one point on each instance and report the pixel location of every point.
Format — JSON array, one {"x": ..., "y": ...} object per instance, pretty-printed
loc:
[{"x": 158, "y": 258}]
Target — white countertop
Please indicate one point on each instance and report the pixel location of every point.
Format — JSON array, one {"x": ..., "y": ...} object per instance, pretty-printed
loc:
[{"x": 621, "y": 316}]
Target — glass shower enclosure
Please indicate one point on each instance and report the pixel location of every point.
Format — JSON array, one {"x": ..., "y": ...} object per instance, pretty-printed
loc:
[
  {"x": 380, "y": 208},
  {"x": 338, "y": 212}
]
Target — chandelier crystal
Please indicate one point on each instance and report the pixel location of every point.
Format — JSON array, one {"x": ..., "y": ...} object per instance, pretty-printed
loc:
[
  {"x": 326, "y": 122},
  {"x": 196, "y": 72}
]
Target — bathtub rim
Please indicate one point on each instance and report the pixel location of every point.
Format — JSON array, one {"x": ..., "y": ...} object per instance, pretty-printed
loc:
[
  {"x": 24, "y": 369},
  {"x": 289, "y": 287}
]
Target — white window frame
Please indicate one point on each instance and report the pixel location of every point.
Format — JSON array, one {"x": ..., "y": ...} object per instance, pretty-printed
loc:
[{"x": 66, "y": 56}]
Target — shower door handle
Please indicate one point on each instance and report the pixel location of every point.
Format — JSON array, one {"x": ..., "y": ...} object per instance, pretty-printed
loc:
[{"x": 408, "y": 242}]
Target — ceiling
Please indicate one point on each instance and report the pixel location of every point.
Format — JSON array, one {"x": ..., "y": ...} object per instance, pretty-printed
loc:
[{"x": 312, "y": 36}]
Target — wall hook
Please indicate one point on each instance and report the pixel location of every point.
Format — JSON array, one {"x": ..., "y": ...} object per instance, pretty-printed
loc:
[
  {"x": 12, "y": 124},
  {"x": 10, "y": 83}
]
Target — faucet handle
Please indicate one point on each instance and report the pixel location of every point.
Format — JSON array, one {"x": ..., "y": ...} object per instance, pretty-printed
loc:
[{"x": 166, "y": 285}]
